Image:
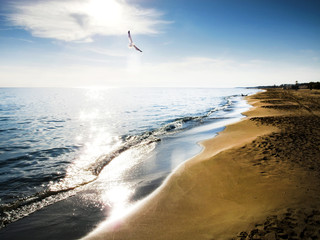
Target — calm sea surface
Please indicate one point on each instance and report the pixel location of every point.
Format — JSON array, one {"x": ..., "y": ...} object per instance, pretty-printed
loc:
[{"x": 116, "y": 142}]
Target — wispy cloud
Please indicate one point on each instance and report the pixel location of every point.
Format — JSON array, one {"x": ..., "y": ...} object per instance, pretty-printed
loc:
[
  {"x": 187, "y": 72},
  {"x": 311, "y": 54},
  {"x": 17, "y": 39},
  {"x": 81, "y": 20},
  {"x": 106, "y": 52},
  {"x": 215, "y": 72}
]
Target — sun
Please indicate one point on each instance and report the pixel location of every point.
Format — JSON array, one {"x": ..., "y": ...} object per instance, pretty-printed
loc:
[{"x": 105, "y": 11}]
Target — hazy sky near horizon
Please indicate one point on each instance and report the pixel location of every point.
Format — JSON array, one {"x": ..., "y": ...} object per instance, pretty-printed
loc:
[{"x": 185, "y": 43}]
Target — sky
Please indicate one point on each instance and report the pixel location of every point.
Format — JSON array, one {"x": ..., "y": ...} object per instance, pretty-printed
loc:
[{"x": 185, "y": 43}]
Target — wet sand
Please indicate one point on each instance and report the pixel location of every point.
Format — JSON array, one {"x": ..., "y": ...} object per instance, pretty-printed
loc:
[{"x": 259, "y": 179}]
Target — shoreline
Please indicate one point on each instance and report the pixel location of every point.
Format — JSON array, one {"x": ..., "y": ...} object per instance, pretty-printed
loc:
[
  {"x": 84, "y": 214},
  {"x": 236, "y": 183}
]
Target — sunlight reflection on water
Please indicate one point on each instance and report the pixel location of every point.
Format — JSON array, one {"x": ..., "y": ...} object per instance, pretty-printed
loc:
[
  {"x": 116, "y": 183},
  {"x": 96, "y": 140},
  {"x": 117, "y": 198}
]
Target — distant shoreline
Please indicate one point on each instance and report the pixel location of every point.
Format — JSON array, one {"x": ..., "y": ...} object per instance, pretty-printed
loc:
[{"x": 258, "y": 178}]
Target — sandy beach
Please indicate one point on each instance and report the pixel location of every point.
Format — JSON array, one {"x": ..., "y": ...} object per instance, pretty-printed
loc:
[{"x": 259, "y": 179}]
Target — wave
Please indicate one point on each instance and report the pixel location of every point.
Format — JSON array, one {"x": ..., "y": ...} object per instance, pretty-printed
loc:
[
  {"x": 46, "y": 153},
  {"x": 155, "y": 135},
  {"x": 23, "y": 207}
]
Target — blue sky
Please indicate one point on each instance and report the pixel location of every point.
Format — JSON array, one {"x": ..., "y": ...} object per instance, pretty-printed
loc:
[{"x": 197, "y": 43}]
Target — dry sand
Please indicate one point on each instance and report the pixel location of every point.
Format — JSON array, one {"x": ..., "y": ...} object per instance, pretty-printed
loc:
[{"x": 259, "y": 179}]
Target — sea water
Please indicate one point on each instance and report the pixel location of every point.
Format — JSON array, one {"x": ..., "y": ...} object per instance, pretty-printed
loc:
[{"x": 119, "y": 143}]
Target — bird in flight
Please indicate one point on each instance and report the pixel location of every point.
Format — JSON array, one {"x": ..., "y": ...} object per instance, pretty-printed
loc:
[{"x": 131, "y": 44}]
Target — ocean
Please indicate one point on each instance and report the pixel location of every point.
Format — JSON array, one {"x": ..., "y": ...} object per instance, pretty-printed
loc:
[{"x": 90, "y": 154}]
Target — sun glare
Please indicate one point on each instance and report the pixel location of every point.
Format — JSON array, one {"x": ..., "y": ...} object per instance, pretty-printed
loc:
[
  {"x": 117, "y": 198},
  {"x": 105, "y": 11}
]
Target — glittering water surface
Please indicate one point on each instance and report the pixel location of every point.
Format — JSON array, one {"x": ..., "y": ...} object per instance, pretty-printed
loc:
[{"x": 116, "y": 142}]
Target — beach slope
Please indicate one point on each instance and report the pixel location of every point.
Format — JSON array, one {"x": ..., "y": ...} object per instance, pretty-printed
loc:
[{"x": 259, "y": 179}]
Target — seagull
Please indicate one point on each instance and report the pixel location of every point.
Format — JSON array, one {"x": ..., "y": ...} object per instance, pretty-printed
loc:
[{"x": 131, "y": 44}]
